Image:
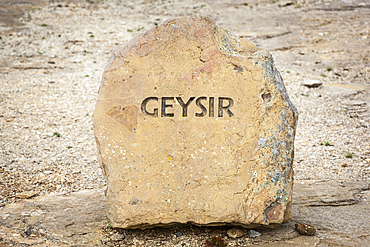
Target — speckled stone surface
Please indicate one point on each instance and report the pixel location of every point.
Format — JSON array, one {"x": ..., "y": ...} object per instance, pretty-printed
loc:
[{"x": 194, "y": 125}]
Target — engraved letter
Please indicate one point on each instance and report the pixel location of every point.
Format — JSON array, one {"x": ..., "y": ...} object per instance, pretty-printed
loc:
[
  {"x": 199, "y": 104},
  {"x": 164, "y": 106},
  {"x": 185, "y": 106},
  {"x": 143, "y": 107},
  {"x": 221, "y": 106},
  {"x": 211, "y": 106}
]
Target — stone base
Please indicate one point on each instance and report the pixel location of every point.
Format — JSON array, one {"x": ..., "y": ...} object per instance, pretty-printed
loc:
[{"x": 337, "y": 210}]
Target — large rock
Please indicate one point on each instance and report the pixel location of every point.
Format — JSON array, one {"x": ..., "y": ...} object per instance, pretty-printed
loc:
[{"x": 194, "y": 125}]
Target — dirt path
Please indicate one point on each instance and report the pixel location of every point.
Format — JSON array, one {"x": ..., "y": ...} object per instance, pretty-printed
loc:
[{"x": 51, "y": 66}]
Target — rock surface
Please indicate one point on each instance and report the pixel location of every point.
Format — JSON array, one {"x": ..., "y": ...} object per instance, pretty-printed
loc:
[
  {"x": 70, "y": 219},
  {"x": 235, "y": 233},
  {"x": 253, "y": 234},
  {"x": 79, "y": 219},
  {"x": 311, "y": 83},
  {"x": 194, "y": 124},
  {"x": 305, "y": 229}
]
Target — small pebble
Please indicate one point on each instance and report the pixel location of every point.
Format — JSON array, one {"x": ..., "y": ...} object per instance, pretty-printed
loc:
[
  {"x": 305, "y": 229},
  {"x": 26, "y": 194},
  {"x": 253, "y": 234},
  {"x": 235, "y": 233},
  {"x": 179, "y": 234},
  {"x": 311, "y": 83},
  {"x": 117, "y": 237}
]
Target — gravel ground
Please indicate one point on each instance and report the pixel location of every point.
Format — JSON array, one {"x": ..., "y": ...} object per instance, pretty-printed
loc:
[{"x": 50, "y": 73}]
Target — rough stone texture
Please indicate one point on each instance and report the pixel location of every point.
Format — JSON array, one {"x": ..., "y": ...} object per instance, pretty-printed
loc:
[
  {"x": 305, "y": 229},
  {"x": 77, "y": 220},
  {"x": 235, "y": 233},
  {"x": 177, "y": 165},
  {"x": 66, "y": 220}
]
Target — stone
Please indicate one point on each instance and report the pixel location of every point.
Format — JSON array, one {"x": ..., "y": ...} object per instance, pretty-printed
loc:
[
  {"x": 78, "y": 219},
  {"x": 117, "y": 237},
  {"x": 353, "y": 103},
  {"x": 56, "y": 220},
  {"x": 194, "y": 125},
  {"x": 235, "y": 233},
  {"x": 253, "y": 234},
  {"x": 327, "y": 191},
  {"x": 311, "y": 83},
  {"x": 305, "y": 229},
  {"x": 343, "y": 90},
  {"x": 285, "y": 3},
  {"x": 26, "y": 194}
]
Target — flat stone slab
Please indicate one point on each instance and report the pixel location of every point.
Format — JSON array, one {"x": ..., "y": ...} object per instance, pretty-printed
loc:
[
  {"x": 338, "y": 210},
  {"x": 72, "y": 219},
  {"x": 339, "y": 89},
  {"x": 311, "y": 83},
  {"x": 194, "y": 124}
]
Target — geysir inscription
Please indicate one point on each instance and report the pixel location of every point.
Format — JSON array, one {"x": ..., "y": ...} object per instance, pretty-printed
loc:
[
  {"x": 166, "y": 159},
  {"x": 166, "y": 103}
]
